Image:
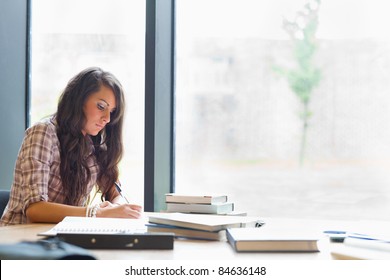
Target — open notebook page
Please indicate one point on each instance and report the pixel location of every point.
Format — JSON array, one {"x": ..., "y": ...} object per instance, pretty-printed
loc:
[{"x": 97, "y": 225}]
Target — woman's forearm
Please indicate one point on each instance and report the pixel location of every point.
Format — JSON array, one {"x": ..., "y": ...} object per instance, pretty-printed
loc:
[{"x": 49, "y": 212}]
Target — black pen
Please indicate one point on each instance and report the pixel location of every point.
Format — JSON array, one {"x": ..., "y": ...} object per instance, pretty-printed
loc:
[{"x": 120, "y": 192}]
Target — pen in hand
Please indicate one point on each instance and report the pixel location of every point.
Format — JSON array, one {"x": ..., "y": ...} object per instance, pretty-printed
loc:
[{"x": 118, "y": 188}]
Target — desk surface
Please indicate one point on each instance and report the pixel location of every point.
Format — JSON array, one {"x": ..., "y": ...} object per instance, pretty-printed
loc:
[{"x": 204, "y": 250}]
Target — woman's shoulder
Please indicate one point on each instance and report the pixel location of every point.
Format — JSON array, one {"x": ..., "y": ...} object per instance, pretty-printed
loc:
[{"x": 45, "y": 126}]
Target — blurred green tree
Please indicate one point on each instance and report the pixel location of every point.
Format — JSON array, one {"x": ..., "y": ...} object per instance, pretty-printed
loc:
[{"x": 305, "y": 76}]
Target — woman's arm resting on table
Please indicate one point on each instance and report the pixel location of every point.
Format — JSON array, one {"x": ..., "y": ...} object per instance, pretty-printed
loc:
[{"x": 49, "y": 212}]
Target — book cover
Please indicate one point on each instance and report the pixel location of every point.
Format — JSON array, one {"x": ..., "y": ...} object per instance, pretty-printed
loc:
[
  {"x": 256, "y": 240},
  {"x": 188, "y": 233},
  {"x": 204, "y": 222},
  {"x": 216, "y": 208},
  {"x": 198, "y": 199}
]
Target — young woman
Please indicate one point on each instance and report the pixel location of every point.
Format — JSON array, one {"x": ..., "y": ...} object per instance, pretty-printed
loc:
[{"x": 62, "y": 158}]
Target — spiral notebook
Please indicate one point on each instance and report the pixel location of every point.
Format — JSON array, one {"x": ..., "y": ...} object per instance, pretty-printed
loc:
[
  {"x": 86, "y": 225},
  {"x": 109, "y": 233}
]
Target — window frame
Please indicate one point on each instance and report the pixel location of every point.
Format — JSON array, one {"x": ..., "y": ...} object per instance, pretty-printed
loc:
[
  {"x": 159, "y": 103},
  {"x": 15, "y": 80}
]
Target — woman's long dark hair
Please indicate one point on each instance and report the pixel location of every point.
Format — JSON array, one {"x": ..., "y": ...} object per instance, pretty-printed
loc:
[{"x": 76, "y": 147}]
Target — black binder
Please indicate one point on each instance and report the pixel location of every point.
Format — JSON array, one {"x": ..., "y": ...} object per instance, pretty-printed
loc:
[{"x": 119, "y": 241}]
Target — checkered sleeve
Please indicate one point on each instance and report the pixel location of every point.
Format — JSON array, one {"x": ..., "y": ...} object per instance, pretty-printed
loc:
[{"x": 35, "y": 160}]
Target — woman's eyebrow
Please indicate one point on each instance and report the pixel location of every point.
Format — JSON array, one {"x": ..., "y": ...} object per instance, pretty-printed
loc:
[{"x": 108, "y": 104}]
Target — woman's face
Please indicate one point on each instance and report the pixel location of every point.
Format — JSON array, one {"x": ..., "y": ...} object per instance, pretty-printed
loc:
[{"x": 97, "y": 110}]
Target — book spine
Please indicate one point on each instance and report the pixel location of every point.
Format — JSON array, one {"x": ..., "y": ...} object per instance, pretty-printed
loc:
[
  {"x": 196, "y": 199},
  {"x": 230, "y": 239},
  {"x": 201, "y": 208}
]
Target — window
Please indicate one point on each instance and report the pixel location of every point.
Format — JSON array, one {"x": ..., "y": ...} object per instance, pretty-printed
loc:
[
  {"x": 240, "y": 106},
  {"x": 68, "y": 36}
]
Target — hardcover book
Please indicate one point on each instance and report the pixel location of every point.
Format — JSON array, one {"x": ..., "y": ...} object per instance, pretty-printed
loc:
[
  {"x": 199, "y": 199},
  {"x": 188, "y": 233},
  {"x": 204, "y": 222},
  {"x": 216, "y": 208},
  {"x": 256, "y": 240}
]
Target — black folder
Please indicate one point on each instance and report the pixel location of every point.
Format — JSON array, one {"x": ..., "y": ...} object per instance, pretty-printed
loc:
[{"x": 119, "y": 241}]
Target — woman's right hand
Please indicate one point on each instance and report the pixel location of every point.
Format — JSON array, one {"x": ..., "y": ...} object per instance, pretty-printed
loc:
[{"x": 130, "y": 211}]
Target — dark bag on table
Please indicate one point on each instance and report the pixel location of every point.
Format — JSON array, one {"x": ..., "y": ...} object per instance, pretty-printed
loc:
[{"x": 46, "y": 249}]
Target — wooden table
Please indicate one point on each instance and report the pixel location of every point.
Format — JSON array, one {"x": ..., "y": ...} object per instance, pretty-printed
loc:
[{"x": 197, "y": 249}]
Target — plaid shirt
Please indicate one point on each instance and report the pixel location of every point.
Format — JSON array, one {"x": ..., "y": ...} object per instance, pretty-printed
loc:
[{"x": 37, "y": 173}]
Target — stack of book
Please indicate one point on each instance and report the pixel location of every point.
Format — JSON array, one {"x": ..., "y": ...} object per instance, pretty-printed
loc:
[
  {"x": 199, "y": 204},
  {"x": 199, "y": 217},
  {"x": 198, "y": 226}
]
